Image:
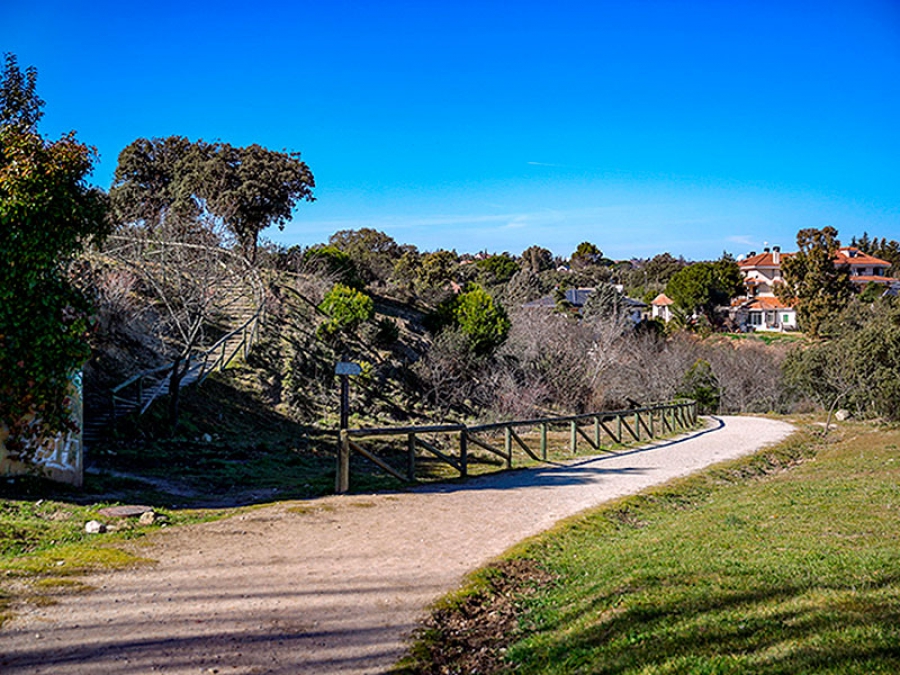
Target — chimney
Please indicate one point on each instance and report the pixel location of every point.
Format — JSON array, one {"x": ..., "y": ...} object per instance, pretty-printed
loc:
[
  {"x": 766, "y": 249},
  {"x": 776, "y": 255},
  {"x": 751, "y": 254}
]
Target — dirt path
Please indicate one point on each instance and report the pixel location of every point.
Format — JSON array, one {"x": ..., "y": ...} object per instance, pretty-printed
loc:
[{"x": 335, "y": 585}]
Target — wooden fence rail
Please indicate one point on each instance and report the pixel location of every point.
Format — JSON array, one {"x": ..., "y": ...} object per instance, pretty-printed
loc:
[{"x": 606, "y": 428}]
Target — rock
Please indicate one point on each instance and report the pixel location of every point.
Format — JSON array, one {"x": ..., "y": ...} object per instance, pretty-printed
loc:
[
  {"x": 148, "y": 518},
  {"x": 94, "y": 527},
  {"x": 842, "y": 415},
  {"x": 126, "y": 511}
]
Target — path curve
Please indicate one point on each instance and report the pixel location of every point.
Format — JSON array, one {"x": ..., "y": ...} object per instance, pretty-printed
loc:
[{"x": 336, "y": 586}]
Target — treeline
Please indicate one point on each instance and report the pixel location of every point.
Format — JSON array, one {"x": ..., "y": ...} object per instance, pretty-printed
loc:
[
  {"x": 447, "y": 334},
  {"x": 485, "y": 352}
]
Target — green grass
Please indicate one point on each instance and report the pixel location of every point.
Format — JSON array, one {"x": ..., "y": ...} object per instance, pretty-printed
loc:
[
  {"x": 744, "y": 569},
  {"x": 43, "y": 542},
  {"x": 769, "y": 338}
]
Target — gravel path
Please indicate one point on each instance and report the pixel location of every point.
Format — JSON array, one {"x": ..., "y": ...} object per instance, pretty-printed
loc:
[{"x": 335, "y": 585}]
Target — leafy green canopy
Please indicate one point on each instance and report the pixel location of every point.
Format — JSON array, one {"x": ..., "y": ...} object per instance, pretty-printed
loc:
[
  {"x": 347, "y": 307},
  {"x": 477, "y": 316},
  {"x": 47, "y": 215},
  {"x": 247, "y": 189},
  {"x": 19, "y": 102},
  {"x": 374, "y": 253},
  {"x": 702, "y": 287},
  {"x": 858, "y": 368},
  {"x": 812, "y": 282}
]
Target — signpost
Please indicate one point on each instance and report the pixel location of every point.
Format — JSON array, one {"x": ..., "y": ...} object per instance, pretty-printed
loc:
[{"x": 344, "y": 369}]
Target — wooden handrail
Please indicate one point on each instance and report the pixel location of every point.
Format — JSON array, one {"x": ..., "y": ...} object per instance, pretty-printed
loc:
[
  {"x": 248, "y": 332},
  {"x": 684, "y": 415}
]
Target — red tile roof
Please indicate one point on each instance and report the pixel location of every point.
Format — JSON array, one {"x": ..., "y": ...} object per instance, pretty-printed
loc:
[
  {"x": 848, "y": 255},
  {"x": 662, "y": 299},
  {"x": 763, "y": 260},
  {"x": 869, "y": 279},
  {"x": 765, "y": 303},
  {"x": 853, "y": 256}
]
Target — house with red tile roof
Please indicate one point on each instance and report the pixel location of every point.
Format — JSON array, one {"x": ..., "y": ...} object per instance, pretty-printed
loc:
[{"x": 761, "y": 310}]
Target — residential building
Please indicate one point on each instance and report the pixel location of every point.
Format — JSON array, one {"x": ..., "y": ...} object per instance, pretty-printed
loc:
[
  {"x": 762, "y": 310},
  {"x": 577, "y": 297}
]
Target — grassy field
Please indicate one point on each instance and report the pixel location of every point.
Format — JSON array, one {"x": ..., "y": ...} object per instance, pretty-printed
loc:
[{"x": 788, "y": 562}]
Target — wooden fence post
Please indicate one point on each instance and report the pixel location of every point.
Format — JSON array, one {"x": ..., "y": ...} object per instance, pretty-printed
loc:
[
  {"x": 544, "y": 441},
  {"x": 637, "y": 424},
  {"x": 574, "y": 437},
  {"x": 619, "y": 429},
  {"x": 411, "y": 457},
  {"x": 463, "y": 454},
  {"x": 597, "y": 432},
  {"x": 342, "y": 477},
  {"x": 507, "y": 433}
]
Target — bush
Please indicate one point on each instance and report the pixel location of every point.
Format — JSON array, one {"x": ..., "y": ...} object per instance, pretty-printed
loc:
[
  {"x": 347, "y": 307},
  {"x": 478, "y": 317}
]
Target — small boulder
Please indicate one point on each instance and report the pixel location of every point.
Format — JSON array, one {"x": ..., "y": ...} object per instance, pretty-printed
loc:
[
  {"x": 94, "y": 527},
  {"x": 842, "y": 415},
  {"x": 148, "y": 518}
]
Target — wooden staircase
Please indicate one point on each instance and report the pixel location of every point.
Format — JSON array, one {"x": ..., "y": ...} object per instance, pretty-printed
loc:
[{"x": 240, "y": 311}]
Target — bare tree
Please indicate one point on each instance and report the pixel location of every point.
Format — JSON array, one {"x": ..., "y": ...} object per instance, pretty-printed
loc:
[
  {"x": 192, "y": 288},
  {"x": 749, "y": 374}
]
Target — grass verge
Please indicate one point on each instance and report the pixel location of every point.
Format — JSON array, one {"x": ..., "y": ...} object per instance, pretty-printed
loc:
[
  {"x": 745, "y": 568},
  {"x": 43, "y": 542}
]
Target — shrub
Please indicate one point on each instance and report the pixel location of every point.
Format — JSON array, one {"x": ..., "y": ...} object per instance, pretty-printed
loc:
[{"x": 347, "y": 307}]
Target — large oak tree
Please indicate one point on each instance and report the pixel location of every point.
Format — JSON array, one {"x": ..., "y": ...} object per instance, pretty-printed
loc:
[{"x": 244, "y": 189}]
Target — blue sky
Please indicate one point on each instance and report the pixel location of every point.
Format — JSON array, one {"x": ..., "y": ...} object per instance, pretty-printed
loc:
[{"x": 643, "y": 126}]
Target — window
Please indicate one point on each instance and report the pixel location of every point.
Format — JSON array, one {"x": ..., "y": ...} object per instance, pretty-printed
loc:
[{"x": 756, "y": 318}]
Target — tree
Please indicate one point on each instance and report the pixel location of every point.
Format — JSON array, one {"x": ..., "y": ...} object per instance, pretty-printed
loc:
[
  {"x": 823, "y": 372},
  {"x": 496, "y": 269},
  {"x": 437, "y": 268},
  {"x": 347, "y": 307},
  {"x": 606, "y": 303},
  {"x": 483, "y": 321},
  {"x": 812, "y": 282},
  {"x": 332, "y": 262},
  {"x": 663, "y": 267},
  {"x": 374, "y": 253},
  {"x": 701, "y": 384},
  {"x": 585, "y": 254},
  {"x": 48, "y": 214},
  {"x": 244, "y": 189},
  {"x": 19, "y": 103},
  {"x": 702, "y": 287},
  {"x": 537, "y": 259},
  {"x": 151, "y": 182},
  {"x": 250, "y": 188}
]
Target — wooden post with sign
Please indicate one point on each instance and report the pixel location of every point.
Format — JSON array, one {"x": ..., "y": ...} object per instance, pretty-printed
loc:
[{"x": 344, "y": 369}]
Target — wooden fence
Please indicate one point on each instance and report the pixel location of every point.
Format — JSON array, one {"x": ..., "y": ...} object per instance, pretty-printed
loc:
[{"x": 598, "y": 430}]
